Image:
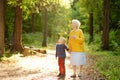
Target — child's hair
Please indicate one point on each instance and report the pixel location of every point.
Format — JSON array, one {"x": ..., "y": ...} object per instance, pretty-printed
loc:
[{"x": 62, "y": 39}]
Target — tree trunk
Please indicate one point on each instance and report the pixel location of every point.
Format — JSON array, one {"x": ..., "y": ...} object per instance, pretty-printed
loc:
[
  {"x": 91, "y": 28},
  {"x": 17, "y": 34},
  {"x": 49, "y": 32},
  {"x": 100, "y": 27},
  {"x": 6, "y": 27},
  {"x": 32, "y": 23},
  {"x": 44, "y": 43},
  {"x": 105, "y": 38},
  {"x": 2, "y": 26}
]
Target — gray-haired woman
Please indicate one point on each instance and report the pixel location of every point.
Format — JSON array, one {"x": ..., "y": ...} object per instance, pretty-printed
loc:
[{"x": 76, "y": 48}]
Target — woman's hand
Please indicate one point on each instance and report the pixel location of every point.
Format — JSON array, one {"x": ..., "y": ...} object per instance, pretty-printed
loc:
[
  {"x": 69, "y": 51},
  {"x": 73, "y": 37}
]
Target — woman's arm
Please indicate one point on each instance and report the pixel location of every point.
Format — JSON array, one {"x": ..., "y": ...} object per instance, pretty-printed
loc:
[{"x": 80, "y": 38}]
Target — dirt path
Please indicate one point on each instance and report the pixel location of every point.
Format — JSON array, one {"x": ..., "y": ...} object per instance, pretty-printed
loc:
[{"x": 41, "y": 67}]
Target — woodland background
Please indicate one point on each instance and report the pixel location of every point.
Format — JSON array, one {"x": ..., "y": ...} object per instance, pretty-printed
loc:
[{"x": 39, "y": 23}]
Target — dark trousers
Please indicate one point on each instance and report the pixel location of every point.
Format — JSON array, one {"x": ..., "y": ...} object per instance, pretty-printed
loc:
[{"x": 61, "y": 64}]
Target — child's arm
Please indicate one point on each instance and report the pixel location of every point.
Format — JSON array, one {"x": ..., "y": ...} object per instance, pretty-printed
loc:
[
  {"x": 66, "y": 48},
  {"x": 56, "y": 54}
]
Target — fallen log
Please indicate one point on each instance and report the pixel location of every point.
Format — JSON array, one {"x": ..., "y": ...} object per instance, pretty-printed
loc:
[{"x": 31, "y": 51}]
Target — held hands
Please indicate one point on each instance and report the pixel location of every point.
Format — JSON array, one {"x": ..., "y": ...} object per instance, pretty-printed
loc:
[
  {"x": 69, "y": 51},
  {"x": 55, "y": 57}
]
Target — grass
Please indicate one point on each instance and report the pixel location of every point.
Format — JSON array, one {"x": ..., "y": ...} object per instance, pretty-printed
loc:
[
  {"x": 108, "y": 63},
  {"x": 109, "y": 66}
]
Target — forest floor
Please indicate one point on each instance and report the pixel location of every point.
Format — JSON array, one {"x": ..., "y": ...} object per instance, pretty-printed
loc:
[{"x": 43, "y": 67}]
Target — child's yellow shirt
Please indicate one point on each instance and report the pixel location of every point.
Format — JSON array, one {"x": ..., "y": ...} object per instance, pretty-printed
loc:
[{"x": 77, "y": 44}]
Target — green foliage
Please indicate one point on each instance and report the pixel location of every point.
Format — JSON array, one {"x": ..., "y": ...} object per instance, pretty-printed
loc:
[
  {"x": 29, "y": 8},
  {"x": 96, "y": 44},
  {"x": 114, "y": 43},
  {"x": 114, "y": 13},
  {"x": 32, "y": 39},
  {"x": 58, "y": 22},
  {"x": 108, "y": 62},
  {"x": 82, "y": 9},
  {"x": 37, "y": 24},
  {"x": 35, "y": 40},
  {"x": 109, "y": 66},
  {"x": 12, "y": 2},
  {"x": 9, "y": 22}
]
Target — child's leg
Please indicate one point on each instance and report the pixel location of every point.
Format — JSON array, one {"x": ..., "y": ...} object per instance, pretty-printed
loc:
[{"x": 61, "y": 65}]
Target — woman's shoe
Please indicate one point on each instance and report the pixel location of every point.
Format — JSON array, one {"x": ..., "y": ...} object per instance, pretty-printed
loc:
[
  {"x": 79, "y": 75},
  {"x": 73, "y": 76}
]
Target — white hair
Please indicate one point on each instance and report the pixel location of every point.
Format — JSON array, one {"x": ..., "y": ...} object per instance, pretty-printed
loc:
[{"x": 76, "y": 22}]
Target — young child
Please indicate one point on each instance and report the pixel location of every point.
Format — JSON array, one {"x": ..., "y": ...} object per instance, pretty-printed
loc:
[{"x": 61, "y": 54}]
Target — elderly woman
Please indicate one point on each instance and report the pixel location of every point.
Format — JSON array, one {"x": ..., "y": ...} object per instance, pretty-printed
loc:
[{"x": 76, "y": 48}]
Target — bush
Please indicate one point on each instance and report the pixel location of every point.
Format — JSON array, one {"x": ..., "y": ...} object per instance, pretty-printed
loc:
[
  {"x": 109, "y": 66},
  {"x": 32, "y": 39},
  {"x": 96, "y": 44},
  {"x": 107, "y": 63},
  {"x": 35, "y": 39},
  {"x": 114, "y": 41}
]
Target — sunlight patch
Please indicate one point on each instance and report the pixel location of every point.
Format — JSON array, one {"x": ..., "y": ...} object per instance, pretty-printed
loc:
[
  {"x": 65, "y": 3},
  {"x": 30, "y": 63}
]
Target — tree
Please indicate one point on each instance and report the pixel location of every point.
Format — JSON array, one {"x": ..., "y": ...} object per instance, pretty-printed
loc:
[
  {"x": 17, "y": 33},
  {"x": 105, "y": 38},
  {"x": 88, "y": 5},
  {"x": 2, "y": 26},
  {"x": 44, "y": 43},
  {"x": 92, "y": 14},
  {"x": 114, "y": 12},
  {"x": 29, "y": 10},
  {"x": 91, "y": 28},
  {"x": 32, "y": 22},
  {"x": 45, "y": 7}
]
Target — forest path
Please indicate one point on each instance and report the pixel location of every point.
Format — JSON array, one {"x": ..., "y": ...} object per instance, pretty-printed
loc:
[{"x": 42, "y": 67}]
